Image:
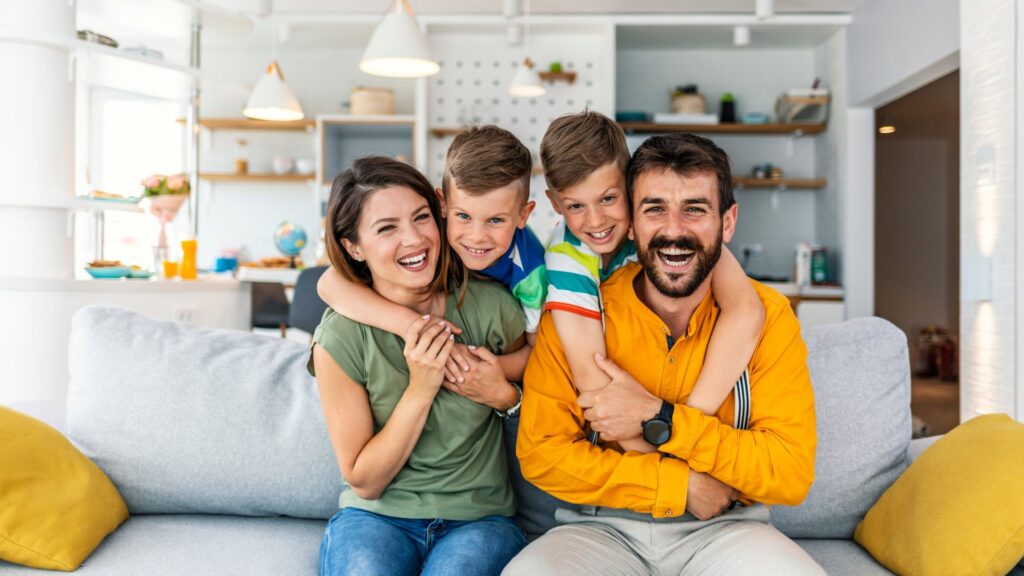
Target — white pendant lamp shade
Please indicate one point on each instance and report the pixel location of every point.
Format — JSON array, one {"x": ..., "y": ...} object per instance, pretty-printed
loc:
[
  {"x": 526, "y": 83},
  {"x": 273, "y": 99},
  {"x": 398, "y": 48}
]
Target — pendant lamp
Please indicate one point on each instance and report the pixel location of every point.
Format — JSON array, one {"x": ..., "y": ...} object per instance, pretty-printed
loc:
[
  {"x": 526, "y": 82},
  {"x": 398, "y": 48},
  {"x": 272, "y": 98}
]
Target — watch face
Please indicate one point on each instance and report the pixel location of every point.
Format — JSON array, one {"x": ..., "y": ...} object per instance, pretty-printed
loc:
[{"x": 657, "y": 431}]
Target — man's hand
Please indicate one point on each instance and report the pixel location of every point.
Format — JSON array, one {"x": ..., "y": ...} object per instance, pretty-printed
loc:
[
  {"x": 618, "y": 410},
  {"x": 706, "y": 497}
]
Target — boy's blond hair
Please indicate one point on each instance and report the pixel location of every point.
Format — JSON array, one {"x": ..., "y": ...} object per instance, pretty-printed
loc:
[
  {"x": 576, "y": 145},
  {"x": 485, "y": 158}
]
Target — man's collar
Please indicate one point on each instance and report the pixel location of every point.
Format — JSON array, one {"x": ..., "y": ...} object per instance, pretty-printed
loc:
[{"x": 639, "y": 280}]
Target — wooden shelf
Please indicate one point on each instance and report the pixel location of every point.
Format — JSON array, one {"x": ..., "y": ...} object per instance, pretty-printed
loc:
[
  {"x": 783, "y": 184},
  {"x": 569, "y": 77},
  {"x": 247, "y": 124},
  {"x": 784, "y": 129},
  {"x": 444, "y": 132},
  {"x": 257, "y": 177}
]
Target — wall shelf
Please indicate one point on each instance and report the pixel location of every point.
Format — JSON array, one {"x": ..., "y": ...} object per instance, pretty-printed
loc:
[
  {"x": 247, "y": 124},
  {"x": 569, "y": 77},
  {"x": 756, "y": 129},
  {"x": 740, "y": 182},
  {"x": 445, "y": 132},
  {"x": 213, "y": 177}
]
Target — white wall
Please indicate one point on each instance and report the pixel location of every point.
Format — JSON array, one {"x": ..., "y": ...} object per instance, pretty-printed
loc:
[
  {"x": 990, "y": 100},
  {"x": 896, "y": 46},
  {"x": 829, "y": 153}
]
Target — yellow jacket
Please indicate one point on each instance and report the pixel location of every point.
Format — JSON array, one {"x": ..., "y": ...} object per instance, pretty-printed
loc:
[{"x": 772, "y": 462}]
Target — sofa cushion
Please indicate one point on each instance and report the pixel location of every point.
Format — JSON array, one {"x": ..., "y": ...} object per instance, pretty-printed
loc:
[
  {"x": 861, "y": 376},
  {"x": 201, "y": 545},
  {"x": 184, "y": 419},
  {"x": 842, "y": 558},
  {"x": 959, "y": 509},
  {"x": 57, "y": 506}
]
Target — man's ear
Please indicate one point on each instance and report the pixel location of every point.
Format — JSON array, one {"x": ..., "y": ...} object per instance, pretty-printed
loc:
[
  {"x": 524, "y": 214},
  {"x": 729, "y": 222},
  {"x": 554, "y": 202},
  {"x": 440, "y": 196},
  {"x": 353, "y": 250}
]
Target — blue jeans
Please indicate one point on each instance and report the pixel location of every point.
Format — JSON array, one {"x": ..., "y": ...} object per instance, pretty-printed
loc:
[{"x": 357, "y": 542}]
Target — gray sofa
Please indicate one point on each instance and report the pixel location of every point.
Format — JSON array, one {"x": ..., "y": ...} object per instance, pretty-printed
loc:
[{"x": 216, "y": 441}]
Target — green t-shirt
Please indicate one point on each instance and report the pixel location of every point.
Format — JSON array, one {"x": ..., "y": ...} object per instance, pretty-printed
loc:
[{"x": 457, "y": 470}]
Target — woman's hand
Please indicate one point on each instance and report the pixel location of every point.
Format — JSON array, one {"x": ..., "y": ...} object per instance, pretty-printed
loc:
[
  {"x": 458, "y": 363},
  {"x": 428, "y": 343},
  {"x": 484, "y": 382}
]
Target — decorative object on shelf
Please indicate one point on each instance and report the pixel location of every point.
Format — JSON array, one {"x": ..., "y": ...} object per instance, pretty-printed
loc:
[
  {"x": 305, "y": 166},
  {"x": 802, "y": 264},
  {"x": 775, "y": 173},
  {"x": 283, "y": 165},
  {"x": 398, "y": 48},
  {"x": 272, "y": 98},
  {"x": 369, "y": 101},
  {"x": 727, "y": 112},
  {"x": 526, "y": 82},
  {"x": 803, "y": 106},
  {"x": 632, "y": 116},
  {"x": 555, "y": 67},
  {"x": 188, "y": 269},
  {"x": 241, "y": 156},
  {"x": 819, "y": 265},
  {"x": 687, "y": 100},
  {"x": 90, "y": 36},
  {"x": 165, "y": 195},
  {"x": 107, "y": 269},
  {"x": 685, "y": 118},
  {"x": 761, "y": 171},
  {"x": 109, "y": 197},
  {"x": 290, "y": 239},
  {"x": 754, "y": 118}
]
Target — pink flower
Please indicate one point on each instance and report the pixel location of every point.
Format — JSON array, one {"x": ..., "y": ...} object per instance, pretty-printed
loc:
[
  {"x": 175, "y": 182},
  {"x": 153, "y": 181}
]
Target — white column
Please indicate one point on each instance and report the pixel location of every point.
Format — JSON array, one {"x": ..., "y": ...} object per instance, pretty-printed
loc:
[
  {"x": 989, "y": 222},
  {"x": 37, "y": 112}
]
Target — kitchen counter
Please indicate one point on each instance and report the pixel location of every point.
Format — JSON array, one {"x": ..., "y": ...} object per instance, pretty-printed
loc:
[{"x": 810, "y": 292}]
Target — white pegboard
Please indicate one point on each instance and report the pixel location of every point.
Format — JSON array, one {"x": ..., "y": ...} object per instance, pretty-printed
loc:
[{"x": 472, "y": 89}]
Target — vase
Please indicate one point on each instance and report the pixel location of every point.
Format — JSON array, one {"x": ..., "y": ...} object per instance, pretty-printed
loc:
[{"x": 165, "y": 208}]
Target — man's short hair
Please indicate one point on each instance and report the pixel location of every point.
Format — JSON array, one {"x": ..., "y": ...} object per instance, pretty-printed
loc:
[
  {"x": 485, "y": 158},
  {"x": 576, "y": 145},
  {"x": 686, "y": 155}
]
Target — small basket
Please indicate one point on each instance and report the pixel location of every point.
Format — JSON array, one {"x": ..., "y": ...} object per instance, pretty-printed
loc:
[
  {"x": 373, "y": 101},
  {"x": 803, "y": 106}
]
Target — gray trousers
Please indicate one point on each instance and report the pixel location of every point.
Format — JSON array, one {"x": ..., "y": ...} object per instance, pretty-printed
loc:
[{"x": 607, "y": 541}]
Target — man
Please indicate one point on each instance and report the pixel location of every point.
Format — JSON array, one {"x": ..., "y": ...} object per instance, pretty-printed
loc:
[{"x": 696, "y": 504}]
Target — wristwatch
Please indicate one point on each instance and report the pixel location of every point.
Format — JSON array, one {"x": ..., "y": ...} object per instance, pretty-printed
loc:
[
  {"x": 658, "y": 430},
  {"x": 514, "y": 410}
]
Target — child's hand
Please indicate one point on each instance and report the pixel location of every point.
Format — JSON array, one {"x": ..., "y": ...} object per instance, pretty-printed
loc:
[
  {"x": 458, "y": 364},
  {"x": 484, "y": 382},
  {"x": 455, "y": 329}
]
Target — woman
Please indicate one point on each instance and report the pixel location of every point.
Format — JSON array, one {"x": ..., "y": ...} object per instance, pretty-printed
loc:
[{"x": 427, "y": 481}]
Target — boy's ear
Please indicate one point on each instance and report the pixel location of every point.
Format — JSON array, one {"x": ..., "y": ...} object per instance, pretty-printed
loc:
[
  {"x": 524, "y": 214},
  {"x": 352, "y": 249},
  {"x": 440, "y": 196},
  {"x": 554, "y": 202}
]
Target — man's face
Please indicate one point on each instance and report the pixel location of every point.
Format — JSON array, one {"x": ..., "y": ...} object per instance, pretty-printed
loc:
[{"x": 678, "y": 229}]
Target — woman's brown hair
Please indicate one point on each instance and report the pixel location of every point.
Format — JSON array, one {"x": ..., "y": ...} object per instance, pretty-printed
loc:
[{"x": 348, "y": 195}]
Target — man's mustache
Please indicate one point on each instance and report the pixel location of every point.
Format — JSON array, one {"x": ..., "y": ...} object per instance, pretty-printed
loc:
[{"x": 680, "y": 242}]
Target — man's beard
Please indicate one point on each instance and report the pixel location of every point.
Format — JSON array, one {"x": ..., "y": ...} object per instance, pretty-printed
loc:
[{"x": 665, "y": 282}]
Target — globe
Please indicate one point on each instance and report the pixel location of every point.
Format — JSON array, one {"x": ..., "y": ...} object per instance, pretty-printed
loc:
[{"x": 290, "y": 239}]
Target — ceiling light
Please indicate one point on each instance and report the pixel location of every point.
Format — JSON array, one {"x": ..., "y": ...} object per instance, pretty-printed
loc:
[
  {"x": 272, "y": 98},
  {"x": 764, "y": 9},
  {"x": 886, "y": 128},
  {"x": 526, "y": 82},
  {"x": 398, "y": 48},
  {"x": 741, "y": 35}
]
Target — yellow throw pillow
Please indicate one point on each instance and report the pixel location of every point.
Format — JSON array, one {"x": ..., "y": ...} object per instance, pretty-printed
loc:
[
  {"x": 56, "y": 506},
  {"x": 958, "y": 509}
]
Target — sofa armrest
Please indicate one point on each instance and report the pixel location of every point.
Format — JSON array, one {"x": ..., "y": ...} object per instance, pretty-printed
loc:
[{"x": 919, "y": 445}]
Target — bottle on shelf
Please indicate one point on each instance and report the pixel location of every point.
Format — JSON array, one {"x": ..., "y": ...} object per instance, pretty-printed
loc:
[{"x": 187, "y": 269}]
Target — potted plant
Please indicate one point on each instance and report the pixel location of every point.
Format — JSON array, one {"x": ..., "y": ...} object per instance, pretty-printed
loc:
[{"x": 165, "y": 195}]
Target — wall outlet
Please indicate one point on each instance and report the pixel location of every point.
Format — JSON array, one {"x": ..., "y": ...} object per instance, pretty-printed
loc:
[{"x": 185, "y": 314}]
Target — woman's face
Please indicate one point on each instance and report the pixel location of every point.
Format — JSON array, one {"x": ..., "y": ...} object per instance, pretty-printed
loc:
[{"x": 398, "y": 240}]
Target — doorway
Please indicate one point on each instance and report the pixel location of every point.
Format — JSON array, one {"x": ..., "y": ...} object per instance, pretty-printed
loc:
[{"x": 917, "y": 242}]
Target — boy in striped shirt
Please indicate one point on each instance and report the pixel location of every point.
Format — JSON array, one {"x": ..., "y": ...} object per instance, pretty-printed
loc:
[{"x": 585, "y": 157}]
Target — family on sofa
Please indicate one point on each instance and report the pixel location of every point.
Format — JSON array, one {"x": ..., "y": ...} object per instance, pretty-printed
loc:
[{"x": 637, "y": 401}]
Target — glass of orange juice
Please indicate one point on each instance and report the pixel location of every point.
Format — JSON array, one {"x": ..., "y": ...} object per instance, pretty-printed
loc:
[{"x": 170, "y": 268}]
